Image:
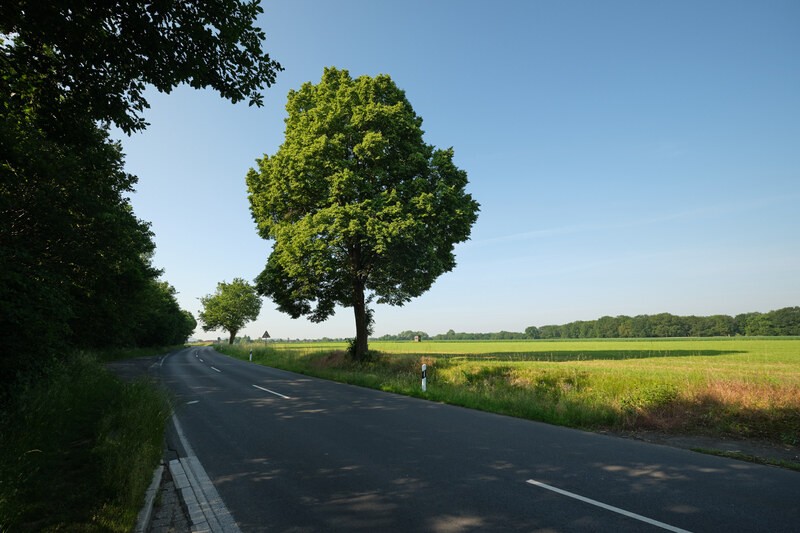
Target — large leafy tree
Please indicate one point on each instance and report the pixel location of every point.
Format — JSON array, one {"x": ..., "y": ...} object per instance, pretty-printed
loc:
[
  {"x": 73, "y": 256},
  {"x": 232, "y": 306},
  {"x": 359, "y": 206},
  {"x": 75, "y": 262}
]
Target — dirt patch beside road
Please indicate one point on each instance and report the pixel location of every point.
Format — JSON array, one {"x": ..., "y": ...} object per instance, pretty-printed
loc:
[
  {"x": 762, "y": 451},
  {"x": 132, "y": 369}
]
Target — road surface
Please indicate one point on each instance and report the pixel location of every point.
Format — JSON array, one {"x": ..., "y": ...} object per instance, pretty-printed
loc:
[{"x": 287, "y": 452}]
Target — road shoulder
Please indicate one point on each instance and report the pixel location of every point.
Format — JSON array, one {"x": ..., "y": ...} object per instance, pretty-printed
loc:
[
  {"x": 166, "y": 512},
  {"x": 758, "y": 451}
]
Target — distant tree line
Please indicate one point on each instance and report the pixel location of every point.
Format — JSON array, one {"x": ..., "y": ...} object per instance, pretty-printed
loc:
[
  {"x": 453, "y": 336},
  {"x": 407, "y": 335},
  {"x": 782, "y": 322}
]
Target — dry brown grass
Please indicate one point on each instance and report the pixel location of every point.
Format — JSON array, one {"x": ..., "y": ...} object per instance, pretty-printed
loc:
[
  {"x": 336, "y": 359},
  {"x": 749, "y": 395},
  {"x": 767, "y": 411}
]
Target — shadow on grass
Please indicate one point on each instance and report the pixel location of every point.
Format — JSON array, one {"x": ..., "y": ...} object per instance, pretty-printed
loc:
[{"x": 575, "y": 355}]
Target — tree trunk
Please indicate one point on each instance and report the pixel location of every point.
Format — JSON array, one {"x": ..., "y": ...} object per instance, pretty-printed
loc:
[
  {"x": 233, "y": 336},
  {"x": 360, "y": 310}
]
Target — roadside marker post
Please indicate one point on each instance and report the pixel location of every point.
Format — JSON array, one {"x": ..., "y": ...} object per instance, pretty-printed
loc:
[
  {"x": 251, "y": 355},
  {"x": 424, "y": 378}
]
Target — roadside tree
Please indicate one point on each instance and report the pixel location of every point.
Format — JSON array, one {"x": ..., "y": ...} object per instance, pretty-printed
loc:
[
  {"x": 359, "y": 206},
  {"x": 75, "y": 263},
  {"x": 232, "y": 306}
]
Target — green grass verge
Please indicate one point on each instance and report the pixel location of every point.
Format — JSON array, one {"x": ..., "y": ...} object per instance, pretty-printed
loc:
[
  {"x": 79, "y": 449},
  {"x": 739, "y": 387}
]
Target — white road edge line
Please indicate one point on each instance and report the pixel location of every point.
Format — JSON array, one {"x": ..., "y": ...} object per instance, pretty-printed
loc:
[
  {"x": 217, "y": 369},
  {"x": 201, "y": 360},
  {"x": 207, "y": 511},
  {"x": 608, "y": 507},
  {"x": 272, "y": 392}
]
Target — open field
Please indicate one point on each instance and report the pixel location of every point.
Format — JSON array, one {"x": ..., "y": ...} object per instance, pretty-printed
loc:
[{"x": 727, "y": 387}]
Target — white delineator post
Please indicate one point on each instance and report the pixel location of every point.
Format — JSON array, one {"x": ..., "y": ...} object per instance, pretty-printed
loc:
[
  {"x": 424, "y": 377},
  {"x": 251, "y": 355}
]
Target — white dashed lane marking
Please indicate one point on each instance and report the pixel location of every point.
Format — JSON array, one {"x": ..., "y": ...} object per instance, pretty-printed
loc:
[
  {"x": 602, "y": 505},
  {"x": 272, "y": 392}
]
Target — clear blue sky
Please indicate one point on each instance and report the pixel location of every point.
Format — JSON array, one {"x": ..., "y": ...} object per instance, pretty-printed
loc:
[{"x": 629, "y": 157}]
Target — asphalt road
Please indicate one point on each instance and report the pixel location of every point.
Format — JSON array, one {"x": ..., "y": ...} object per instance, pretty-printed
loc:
[{"x": 291, "y": 453}]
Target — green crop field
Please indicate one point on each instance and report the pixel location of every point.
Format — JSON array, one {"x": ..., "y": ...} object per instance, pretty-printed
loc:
[{"x": 740, "y": 387}]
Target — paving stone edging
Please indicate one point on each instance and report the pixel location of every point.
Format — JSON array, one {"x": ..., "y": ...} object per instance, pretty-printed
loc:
[
  {"x": 207, "y": 512},
  {"x": 146, "y": 513}
]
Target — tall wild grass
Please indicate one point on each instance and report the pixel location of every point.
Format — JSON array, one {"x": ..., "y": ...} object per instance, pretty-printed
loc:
[{"x": 78, "y": 449}]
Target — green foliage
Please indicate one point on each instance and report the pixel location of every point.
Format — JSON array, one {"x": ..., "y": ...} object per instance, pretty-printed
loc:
[
  {"x": 356, "y": 202},
  {"x": 159, "y": 319},
  {"x": 352, "y": 352},
  {"x": 496, "y": 336},
  {"x": 232, "y": 306},
  {"x": 79, "y": 449},
  {"x": 75, "y": 262},
  {"x": 647, "y": 397},
  {"x": 781, "y": 322},
  {"x": 532, "y": 332},
  {"x": 95, "y": 59},
  {"x": 75, "y": 267},
  {"x": 352, "y": 349},
  {"x": 407, "y": 335}
]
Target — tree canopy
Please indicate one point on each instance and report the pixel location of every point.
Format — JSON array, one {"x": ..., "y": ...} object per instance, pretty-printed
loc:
[
  {"x": 96, "y": 58},
  {"x": 75, "y": 262},
  {"x": 232, "y": 306},
  {"x": 359, "y": 206}
]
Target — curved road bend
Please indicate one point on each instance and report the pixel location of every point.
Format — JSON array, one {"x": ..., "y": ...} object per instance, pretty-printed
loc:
[{"x": 288, "y": 452}]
